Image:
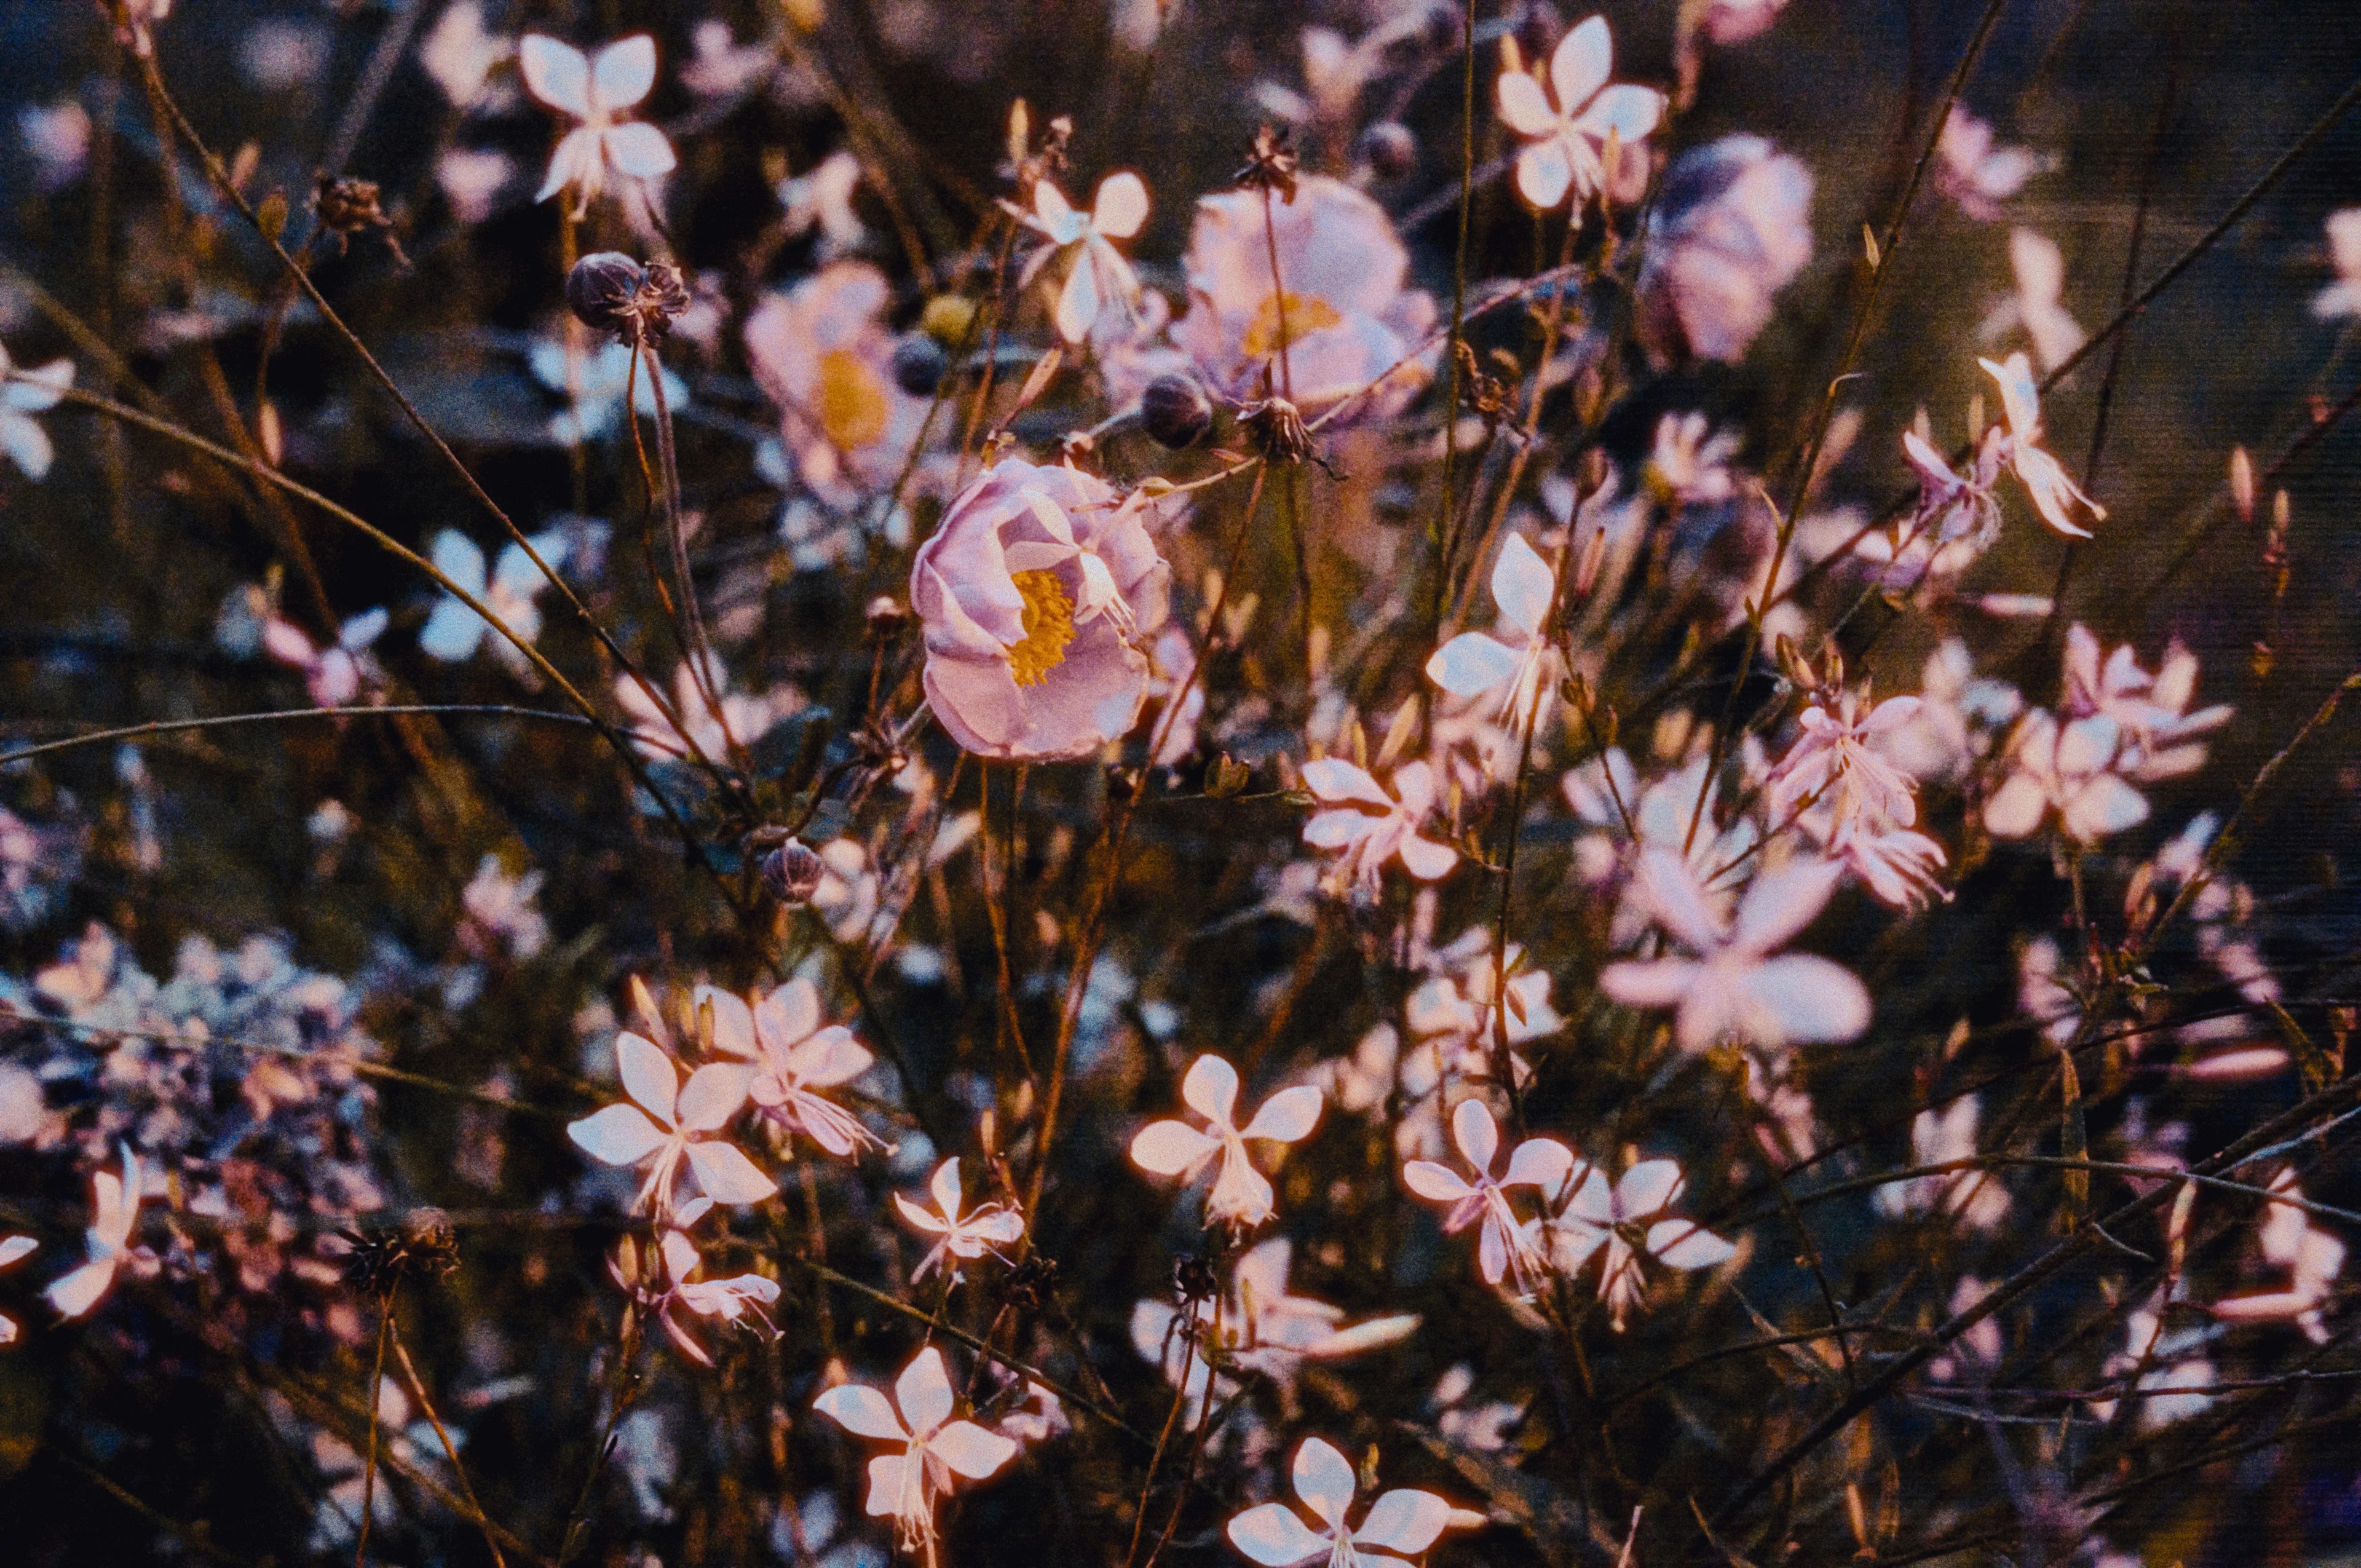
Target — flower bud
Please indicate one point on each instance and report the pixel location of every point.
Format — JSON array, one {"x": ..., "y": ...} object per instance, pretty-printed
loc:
[
  {"x": 792, "y": 872},
  {"x": 1389, "y": 148},
  {"x": 885, "y": 618},
  {"x": 601, "y": 289},
  {"x": 1175, "y": 411},
  {"x": 919, "y": 365}
]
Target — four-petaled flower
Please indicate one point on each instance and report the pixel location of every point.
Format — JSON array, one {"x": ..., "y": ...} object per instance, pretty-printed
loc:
[
  {"x": 332, "y": 676},
  {"x": 23, "y": 394},
  {"x": 1622, "y": 1218},
  {"x": 595, "y": 91},
  {"x": 1240, "y": 1196},
  {"x": 1400, "y": 1521},
  {"x": 1566, "y": 142},
  {"x": 2054, "y": 495},
  {"x": 1505, "y": 1246},
  {"x": 728, "y": 1301},
  {"x": 1518, "y": 657},
  {"x": 13, "y": 1249},
  {"x": 2067, "y": 769},
  {"x": 794, "y": 1058},
  {"x": 968, "y": 1235},
  {"x": 453, "y": 631},
  {"x": 672, "y": 1121},
  {"x": 116, "y": 1199},
  {"x": 1372, "y": 826},
  {"x": 1835, "y": 761},
  {"x": 934, "y": 1448},
  {"x": 1097, "y": 272}
]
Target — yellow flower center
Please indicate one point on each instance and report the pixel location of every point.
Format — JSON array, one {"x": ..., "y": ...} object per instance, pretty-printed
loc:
[
  {"x": 1305, "y": 313},
  {"x": 1049, "y": 628},
  {"x": 852, "y": 399}
]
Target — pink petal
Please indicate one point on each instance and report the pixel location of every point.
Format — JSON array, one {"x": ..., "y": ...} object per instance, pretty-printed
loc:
[
  {"x": 970, "y": 1450},
  {"x": 1524, "y": 105},
  {"x": 1325, "y": 1480},
  {"x": 923, "y": 1392},
  {"x": 1335, "y": 779},
  {"x": 1435, "y": 1181},
  {"x": 1647, "y": 1188},
  {"x": 1405, "y": 1520},
  {"x": 1171, "y": 1148},
  {"x": 713, "y": 1095},
  {"x": 624, "y": 71},
  {"x": 1579, "y": 67},
  {"x": 555, "y": 73},
  {"x": 1274, "y": 1537},
  {"x": 1121, "y": 207},
  {"x": 727, "y": 1176},
  {"x": 648, "y": 1075},
  {"x": 1682, "y": 1244},
  {"x": 1472, "y": 1129}
]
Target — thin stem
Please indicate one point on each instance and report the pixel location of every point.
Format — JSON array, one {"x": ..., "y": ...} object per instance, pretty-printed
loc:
[
  {"x": 368, "y": 1468},
  {"x": 450, "y": 1449}
]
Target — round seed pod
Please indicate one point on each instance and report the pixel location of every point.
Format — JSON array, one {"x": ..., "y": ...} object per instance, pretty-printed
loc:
[
  {"x": 1175, "y": 411},
  {"x": 919, "y": 365}
]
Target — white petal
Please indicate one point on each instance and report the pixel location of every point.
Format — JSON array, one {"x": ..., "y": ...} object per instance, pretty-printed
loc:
[
  {"x": 1682, "y": 1244},
  {"x": 1524, "y": 105},
  {"x": 556, "y": 74},
  {"x": 946, "y": 1187},
  {"x": 713, "y": 1095},
  {"x": 970, "y": 1450},
  {"x": 1286, "y": 1116},
  {"x": 1579, "y": 67},
  {"x": 1630, "y": 112},
  {"x": 1078, "y": 301},
  {"x": 1812, "y": 999},
  {"x": 1543, "y": 171},
  {"x": 2015, "y": 809},
  {"x": 1539, "y": 1162},
  {"x": 639, "y": 150},
  {"x": 923, "y": 1392},
  {"x": 624, "y": 71},
  {"x": 26, "y": 444},
  {"x": 1522, "y": 585},
  {"x": 1647, "y": 1188},
  {"x": 1122, "y": 205},
  {"x": 1333, "y": 779},
  {"x": 1171, "y": 1148},
  {"x": 16, "y": 1247},
  {"x": 1325, "y": 1480},
  {"x": 451, "y": 632},
  {"x": 860, "y": 1409},
  {"x": 1210, "y": 1088},
  {"x": 648, "y": 1075},
  {"x": 620, "y": 1134},
  {"x": 80, "y": 1291},
  {"x": 1406, "y": 1521},
  {"x": 1473, "y": 662},
  {"x": 885, "y": 1474},
  {"x": 1274, "y": 1537},
  {"x": 2020, "y": 400},
  {"x": 1479, "y": 1139},
  {"x": 1427, "y": 860},
  {"x": 727, "y": 1176},
  {"x": 1436, "y": 1182}
]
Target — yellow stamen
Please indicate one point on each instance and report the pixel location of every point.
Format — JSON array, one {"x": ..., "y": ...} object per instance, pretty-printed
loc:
[
  {"x": 1049, "y": 628},
  {"x": 851, "y": 400},
  {"x": 1306, "y": 314}
]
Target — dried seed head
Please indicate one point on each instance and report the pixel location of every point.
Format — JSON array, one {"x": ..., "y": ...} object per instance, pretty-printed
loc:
[
  {"x": 348, "y": 207},
  {"x": 609, "y": 291},
  {"x": 792, "y": 872},
  {"x": 1270, "y": 166},
  {"x": 424, "y": 1247},
  {"x": 1175, "y": 411}
]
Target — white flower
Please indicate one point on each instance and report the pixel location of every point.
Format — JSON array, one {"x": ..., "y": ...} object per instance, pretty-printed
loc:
[
  {"x": 795, "y": 1058},
  {"x": 1372, "y": 826},
  {"x": 2342, "y": 298},
  {"x": 1975, "y": 172},
  {"x": 596, "y": 384},
  {"x": 595, "y": 91},
  {"x": 934, "y": 1448},
  {"x": 672, "y": 1121},
  {"x": 13, "y": 1249},
  {"x": 1260, "y": 1328},
  {"x": 823, "y": 198},
  {"x": 1598, "y": 1214},
  {"x": 712, "y": 729},
  {"x": 968, "y": 1235},
  {"x": 2053, "y": 494},
  {"x": 2312, "y": 1257},
  {"x": 1240, "y": 1195},
  {"x": 1504, "y": 1247},
  {"x": 460, "y": 55},
  {"x": 1472, "y": 664},
  {"x": 116, "y": 1199},
  {"x": 499, "y": 906},
  {"x": 453, "y": 631},
  {"x": 2160, "y": 733},
  {"x": 2172, "y": 1387},
  {"x": 334, "y": 674},
  {"x": 728, "y": 1301},
  {"x": 1942, "y": 1137},
  {"x": 1736, "y": 986},
  {"x": 1400, "y": 1521},
  {"x": 2040, "y": 271},
  {"x": 2067, "y": 770},
  {"x": 1565, "y": 140},
  {"x": 1096, "y": 270},
  {"x": 24, "y": 393}
]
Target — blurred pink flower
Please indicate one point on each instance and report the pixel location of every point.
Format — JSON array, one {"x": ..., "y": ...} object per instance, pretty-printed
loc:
[
  {"x": 933, "y": 1448},
  {"x": 2040, "y": 271},
  {"x": 596, "y": 90},
  {"x": 823, "y": 353},
  {"x": 12, "y": 1250},
  {"x": 1241, "y": 1197},
  {"x": 1372, "y": 826},
  {"x": 1033, "y": 591},
  {"x": 1977, "y": 172},
  {"x": 332, "y": 675},
  {"x": 1514, "y": 655},
  {"x": 1399, "y": 1522},
  {"x": 1943, "y": 1137},
  {"x": 1567, "y": 140},
  {"x": 2342, "y": 298},
  {"x": 2069, "y": 771},
  {"x": 1736, "y": 21},
  {"x": 1261, "y": 1327},
  {"x": 1731, "y": 227},
  {"x": 116, "y": 1203},
  {"x": 2312, "y": 1257},
  {"x": 2151, "y": 711}
]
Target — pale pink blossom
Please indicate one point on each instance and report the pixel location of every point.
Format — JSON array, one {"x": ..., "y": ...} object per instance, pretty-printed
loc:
[
  {"x": 500, "y": 909},
  {"x": 2342, "y": 298},
  {"x": 12, "y": 1250},
  {"x": 1514, "y": 659},
  {"x": 1504, "y": 1247},
  {"x": 511, "y": 591},
  {"x": 1958, "y": 516},
  {"x": 23, "y": 394},
  {"x": 823, "y": 353},
  {"x": 1096, "y": 272},
  {"x": 968, "y": 1234},
  {"x": 669, "y": 1124},
  {"x": 1568, "y": 122},
  {"x": 1836, "y": 761},
  {"x": 1627, "y": 1218},
  {"x": 1241, "y": 1197},
  {"x": 114, "y": 1201},
  {"x": 1730, "y": 227},
  {"x": 2172, "y": 1387},
  {"x": 1372, "y": 826},
  {"x": 1739, "y": 985},
  {"x": 334, "y": 675},
  {"x": 2152, "y": 711},
  {"x": 732, "y": 1302},
  {"x": 2068, "y": 772},
  {"x": 1731, "y": 22},
  {"x": 2040, "y": 270},
  {"x": 1259, "y": 1326},
  {"x": 1975, "y": 171},
  {"x": 794, "y": 1058},
  {"x": 2312, "y": 1257},
  {"x": 822, "y": 199},
  {"x": 1942, "y": 1137},
  {"x": 931, "y": 1448},
  {"x": 460, "y": 55},
  {"x": 713, "y": 728},
  {"x": 1035, "y": 593},
  {"x": 1401, "y": 1524},
  {"x": 2054, "y": 495},
  {"x": 596, "y": 90}
]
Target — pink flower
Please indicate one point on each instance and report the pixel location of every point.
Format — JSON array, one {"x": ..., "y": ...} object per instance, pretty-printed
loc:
[
  {"x": 1033, "y": 592},
  {"x": 1736, "y": 987},
  {"x": 2053, "y": 495},
  {"x": 1261, "y": 1327},
  {"x": 1731, "y": 22},
  {"x": 1955, "y": 509},
  {"x": 1096, "y": 270},
  {"x": 1240, "y": 1196},
  {"x": 1943, "y": 1137},
  {"x": 794, "y": 1058},
  {"x": 1372, "y": 826},
  {"x": 595, "y": 91},
  {"x": 2152, "y": 711},
  {"x": 2067, "y": 772},
  {"x": 1835, "y": 761},
  {"x": 1504, "y": 1247},
  {"x": 733, "y": 719},
  {"x": 1975, "y": 172},
  {"x": 1566, "y": 142},
  {"x": 2342, "y": 298},
  {"x": 824, "y": 353},
  {"x": 115, "y": 1201},
  {"x": 671, "y": 1122},
  {"x": 1348, "y": 319},
  {"x": 1399, "y": 1522},
  {"x": 1731, "y": 228},
  {"x": 1622, "y": 1218},
  {"x": 2172, "y": 1387},
  {"x": 12, "y": 1250},
  {"x": 2311, "y": 1256},
  {"x": 725, "y": 1300},
  {"x": 332, "y": 675},
  {"x": 1517, "y": 655},
  {"x": 933, "y": 1448},
  {"x": 968, "y": 1235},
  {"x": 2040, "y": 271}
]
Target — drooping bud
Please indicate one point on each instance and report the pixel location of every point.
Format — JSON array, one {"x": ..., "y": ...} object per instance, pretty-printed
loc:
[
  {"x": 919, "y": 365},
  {"x": 1389, "y": 148},
  {"x": 792, "y": 872},
  {"x": 1175, "y": 411}
]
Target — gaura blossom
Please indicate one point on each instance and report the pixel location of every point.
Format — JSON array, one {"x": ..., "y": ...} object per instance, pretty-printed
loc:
[
  {"x": 1517, "y": 655},
  {"x": 1349, "y": 321},
  {"x": 1504, "y": 1247},
  {"x": 595, "y": 385},
  {"x": 23, "y": 394},
  {"x": 1835, "y": 761},
  {"x": 1621, "y": 1217},
  {"x": 1096, "y": 270},
  {"x": 933, "y": 1448},
  {"x": 1035, "y": 592},
  {"x": 1739, "y": 985},
  {"x": 2054, "y": 495},
  {"x": 823, "y": 354},
  {"x": 1956, "y": 508},
  {"x": 2069, "y": 771},
  {"x": 500, "y": 908},
  {"x": 1941, "y": 1137},
  {"x": 1372, "y": 826},
  {"x": 822, "y": 199},
  {"x": 459, "y": 54},
  {"x": 1261, "y": 1327},
  {"x": 1977, "y": 172},
  {"x": 968, "y": 1235},
  {"x": 1729, "y": 227},
  {"x": 732, "y": 1300},
  {"x": 672, "y": 1123},
  {"x": 115, "y": 1201},
  {"x": 1565, "y": 141},
  {"x": 1400, "y": 1521},
  {"x": 509, "y": 591},
  {"x": 12, "y": 1250},
  {"x": 2159, "y": 732},
  {"x": 2040, "y": 271},
  {"x": 595, "y": 91},
  {"x": 794, "y": 1058},
  {"x": 1241, "y": 1197},
  {"x": 332, "y": 675},
  {"x": 713, "y": 728},
  {"x": 2342, "y": 298},
  {"x": 2173, "y": 1388}
]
